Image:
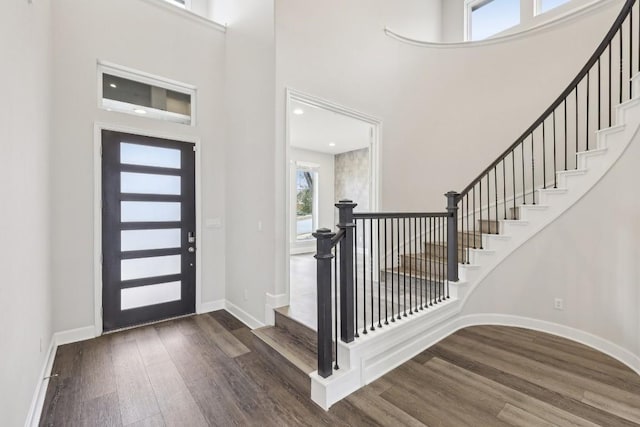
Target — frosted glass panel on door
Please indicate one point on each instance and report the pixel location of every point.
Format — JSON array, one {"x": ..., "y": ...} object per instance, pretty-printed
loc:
[
  {"x": 147, "y": 183},
  {"x": 140, "y": 240},
  {"x": 145, "y": 155},
  {"x": 149, "y": 295},
  {"x": 139, "y": 268},
  {"x": 149, "y": 211}
]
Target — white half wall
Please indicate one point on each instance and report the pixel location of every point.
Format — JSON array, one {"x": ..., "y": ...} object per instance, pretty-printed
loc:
[
  {"x": 588, "y": 257},
  {"x": 169, "y": 45},
  {"x": 25, "y": 141}
]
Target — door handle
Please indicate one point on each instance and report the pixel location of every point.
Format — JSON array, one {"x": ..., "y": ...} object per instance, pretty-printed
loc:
[{"x": 191, "y": 249}]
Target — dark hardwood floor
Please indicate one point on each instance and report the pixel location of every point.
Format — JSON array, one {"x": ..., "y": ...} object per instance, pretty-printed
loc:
[{"x": 207, "y": 370}]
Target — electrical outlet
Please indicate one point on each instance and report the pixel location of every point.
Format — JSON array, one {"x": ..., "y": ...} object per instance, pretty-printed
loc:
[
  {"x": 259, "y": 225},
  {"x": 558, "y": 304}
]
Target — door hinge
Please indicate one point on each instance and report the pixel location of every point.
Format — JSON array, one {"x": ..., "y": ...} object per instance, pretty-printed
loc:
[{"x": 194, "y": 148}]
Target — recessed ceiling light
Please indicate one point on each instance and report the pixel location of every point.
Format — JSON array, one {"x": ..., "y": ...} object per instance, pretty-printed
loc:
[
  {"x": 332, "y": 144},
  {"x": 298, "y": 111},
  {"x": 139, "y": 111},
  {"x": 113, "y": 85}
]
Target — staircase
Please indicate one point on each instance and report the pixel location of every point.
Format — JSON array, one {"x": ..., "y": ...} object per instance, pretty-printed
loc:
[
  {"x": 443, "y": 257},
  {"x": 290, "y": 345}
]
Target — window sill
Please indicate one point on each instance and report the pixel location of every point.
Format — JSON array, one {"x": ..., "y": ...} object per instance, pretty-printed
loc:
[{"x": 187, "y": 14}]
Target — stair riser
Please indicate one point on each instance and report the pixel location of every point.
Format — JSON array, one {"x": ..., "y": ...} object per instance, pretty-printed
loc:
[
  {"x": 489, "y": 226},
  {"x": 439, "y": 253},
  {"x": 299, "y": 380},
  {"x": 440, "y": 271},
  {"x": 295, "y": 328}
]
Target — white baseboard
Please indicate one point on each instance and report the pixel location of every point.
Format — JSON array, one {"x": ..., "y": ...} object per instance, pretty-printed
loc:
[
  {"x": 243, "y": 316},
  {"x": 366, "y": 365},
  {"x": 209, "y": 306},
  {"x": 74, "y": 335},
  {"x": 37, "y": 403},
  {"x": 613, "y": 350}
]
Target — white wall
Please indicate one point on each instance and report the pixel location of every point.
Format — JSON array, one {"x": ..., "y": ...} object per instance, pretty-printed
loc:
[
  {"x": 25, "y": 289},
  {"x": 446, "y": 112},
  {"x": 588, "y": 257},
  {"x": 326, "y": 191},
  {"x": 185, "y": 50},
  {"x": 249, "y": 103},
  {"x": 417, "y": 19}
]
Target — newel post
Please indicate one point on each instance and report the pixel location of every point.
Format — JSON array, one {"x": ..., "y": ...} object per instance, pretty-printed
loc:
[
  {"x": 345, "y": 222},
  {"x": 324, "y": 256},
  {"x": 452, "y": 236}
]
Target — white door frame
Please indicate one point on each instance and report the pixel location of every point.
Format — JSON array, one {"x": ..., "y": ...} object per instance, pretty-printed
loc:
[
  {"x": 97, "y": 208},
  {"x": 374, "y": 160}
]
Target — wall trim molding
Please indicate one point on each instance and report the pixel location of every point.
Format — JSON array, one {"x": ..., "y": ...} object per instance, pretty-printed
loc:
[
  {"x": 37, "y": 403},
  {"x": 621, "y": 354},
  {"x": 539, "y": 28},
  {"x": 209, "y": 306},
  {"x": 243, "y": 316},
  {"x": 74, "y": 335}
]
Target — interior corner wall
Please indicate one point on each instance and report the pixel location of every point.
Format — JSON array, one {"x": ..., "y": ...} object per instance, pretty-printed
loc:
[
  {"x": 25, "y": 288},
  {"x": 190, "y": 52},
  {"x": 588, "y": 257},
  {"x": 249, "y": 102}
]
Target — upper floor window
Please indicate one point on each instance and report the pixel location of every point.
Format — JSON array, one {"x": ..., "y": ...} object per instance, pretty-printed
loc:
[
  {"x": 485, "y": 18},
  {"x": 184, "y": 4},
  {"x": 543, "y": 6}
]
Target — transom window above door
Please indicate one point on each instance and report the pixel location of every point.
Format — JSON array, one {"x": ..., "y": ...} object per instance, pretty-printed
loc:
[{"x": 133, "y": 92}]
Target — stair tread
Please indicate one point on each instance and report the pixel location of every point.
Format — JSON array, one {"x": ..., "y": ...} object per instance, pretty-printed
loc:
[
  {"x": 289, "y": 346},
  {"x": 414, "y": 274}
]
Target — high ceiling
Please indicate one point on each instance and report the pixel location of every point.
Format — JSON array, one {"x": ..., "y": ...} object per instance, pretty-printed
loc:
[{"x": 315, "y": 129}]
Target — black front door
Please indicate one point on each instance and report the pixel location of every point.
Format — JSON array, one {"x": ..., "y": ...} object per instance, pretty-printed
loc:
[{"x": 148, "y": 229}]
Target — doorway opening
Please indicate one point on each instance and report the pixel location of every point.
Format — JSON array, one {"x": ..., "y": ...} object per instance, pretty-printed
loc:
[{"x": 332, "y": 155}]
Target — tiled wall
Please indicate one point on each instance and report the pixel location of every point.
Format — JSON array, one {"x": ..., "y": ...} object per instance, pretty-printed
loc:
[{"x": 352, "y": 177}]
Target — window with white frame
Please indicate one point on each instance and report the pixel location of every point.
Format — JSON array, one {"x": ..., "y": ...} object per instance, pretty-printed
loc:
[
  {"x": 184, "y": 4},
  {"x": 306, "y": 209},
  {"x": 542, "y": 6},
  {"x": 133, "y": 92},
  {"x": 485, "y": 18}
]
